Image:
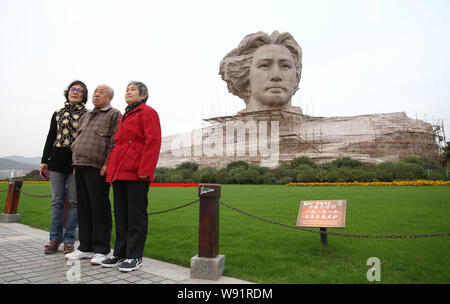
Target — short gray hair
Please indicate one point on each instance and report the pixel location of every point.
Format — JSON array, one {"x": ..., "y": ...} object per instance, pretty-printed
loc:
[
  {"x": 111, "y": 91},
  {"x": 143, "y": 91}
]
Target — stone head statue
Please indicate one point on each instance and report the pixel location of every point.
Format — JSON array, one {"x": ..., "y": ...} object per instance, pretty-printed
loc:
[{"x": 264, "y": 71}]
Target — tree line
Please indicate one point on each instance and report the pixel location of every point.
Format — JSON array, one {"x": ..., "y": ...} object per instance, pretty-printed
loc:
[{"x": 304, "y": 169}]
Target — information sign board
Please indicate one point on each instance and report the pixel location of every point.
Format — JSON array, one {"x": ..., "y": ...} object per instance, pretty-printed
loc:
[{"x": 322, "y": 214}]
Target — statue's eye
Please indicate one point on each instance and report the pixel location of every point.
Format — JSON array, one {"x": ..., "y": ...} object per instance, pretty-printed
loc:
[{"x": 285, "y": 65}]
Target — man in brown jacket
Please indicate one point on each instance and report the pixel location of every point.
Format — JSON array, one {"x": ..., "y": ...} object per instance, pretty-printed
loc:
[{"x": 90, "y": 150}]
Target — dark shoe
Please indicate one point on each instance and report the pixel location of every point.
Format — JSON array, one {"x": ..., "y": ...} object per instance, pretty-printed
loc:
[
  {"x": 130, "y": 264},
  {"x": 68, "y": 247},
  {"x": 112, "y": 261},
  {"x": 52, "y": 247}
]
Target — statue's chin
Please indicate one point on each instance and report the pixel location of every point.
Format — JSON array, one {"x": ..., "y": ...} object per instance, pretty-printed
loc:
[
  {"x": 275, "y": 100},
  {"x": 275, "y": 103}
]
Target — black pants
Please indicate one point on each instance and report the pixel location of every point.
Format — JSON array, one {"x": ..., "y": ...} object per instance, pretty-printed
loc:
[
  {"x": 94, "y": 210},
  {"x": 130, "y": 213}
]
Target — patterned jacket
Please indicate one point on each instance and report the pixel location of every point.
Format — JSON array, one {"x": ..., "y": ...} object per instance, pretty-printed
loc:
[
  {"x": 63, "y": 130},
  {"x": 94, "y": 140}
]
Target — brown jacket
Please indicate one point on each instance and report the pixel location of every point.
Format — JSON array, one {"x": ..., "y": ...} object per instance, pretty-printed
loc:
[{"x": 94, "y": 140}]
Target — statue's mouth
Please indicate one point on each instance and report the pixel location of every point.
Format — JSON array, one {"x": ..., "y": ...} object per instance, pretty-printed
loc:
[{"x": 275, "y": 87}]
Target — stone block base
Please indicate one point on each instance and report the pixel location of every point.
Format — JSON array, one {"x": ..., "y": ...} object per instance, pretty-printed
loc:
[
  {"x": 207, "y": 268},
  {"x": 9, "y": 218}
]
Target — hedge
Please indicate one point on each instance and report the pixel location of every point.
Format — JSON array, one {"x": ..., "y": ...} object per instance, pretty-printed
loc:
[{"x": 305, "y": 170}]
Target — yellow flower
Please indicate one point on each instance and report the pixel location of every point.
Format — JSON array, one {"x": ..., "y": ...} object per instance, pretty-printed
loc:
[{"x": 394, "y": 183}]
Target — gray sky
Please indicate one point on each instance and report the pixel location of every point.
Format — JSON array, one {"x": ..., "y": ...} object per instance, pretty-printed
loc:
[{"x": 359, "y": 57}]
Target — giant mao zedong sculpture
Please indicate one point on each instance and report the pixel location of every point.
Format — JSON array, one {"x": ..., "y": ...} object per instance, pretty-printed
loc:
[{"x": 265, "y": 71}]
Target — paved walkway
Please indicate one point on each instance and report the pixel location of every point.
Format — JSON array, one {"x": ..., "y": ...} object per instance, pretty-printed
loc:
[{"x": 22, "y": 261}]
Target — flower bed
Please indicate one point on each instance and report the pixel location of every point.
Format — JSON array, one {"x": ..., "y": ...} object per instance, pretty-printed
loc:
[{"x": 394, "y": 183}]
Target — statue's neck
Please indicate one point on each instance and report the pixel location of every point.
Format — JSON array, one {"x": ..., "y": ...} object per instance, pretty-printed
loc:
[{"x": 254, "y": 105}]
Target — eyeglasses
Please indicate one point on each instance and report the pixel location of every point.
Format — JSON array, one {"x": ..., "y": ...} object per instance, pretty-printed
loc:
[{"x": 76, "y": 90}]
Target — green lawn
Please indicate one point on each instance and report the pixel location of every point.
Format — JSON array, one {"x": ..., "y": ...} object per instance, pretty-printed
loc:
[{"x": 261, "y": 252}]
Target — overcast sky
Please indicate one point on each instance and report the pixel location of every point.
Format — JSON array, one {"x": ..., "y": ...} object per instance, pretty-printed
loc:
[{"x": 359, "y": 57}]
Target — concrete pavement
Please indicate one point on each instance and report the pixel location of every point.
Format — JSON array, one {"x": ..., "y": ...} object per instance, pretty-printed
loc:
[{"x": 22, "y": 261}]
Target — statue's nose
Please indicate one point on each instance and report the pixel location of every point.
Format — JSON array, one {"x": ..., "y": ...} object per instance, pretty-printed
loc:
[{"x": 275, "y": 74}]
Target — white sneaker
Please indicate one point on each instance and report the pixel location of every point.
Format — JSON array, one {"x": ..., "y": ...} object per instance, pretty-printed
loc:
[
  {"x": 78, "y": 255},
  {"x": 98, "y": 259}
]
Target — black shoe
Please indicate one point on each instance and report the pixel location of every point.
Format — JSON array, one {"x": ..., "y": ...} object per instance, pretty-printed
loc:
[
  {"x": 130, "y": 264},
  {"x": 112, "y": 262}
]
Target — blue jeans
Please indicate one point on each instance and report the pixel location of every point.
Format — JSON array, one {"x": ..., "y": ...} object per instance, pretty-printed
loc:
[{"x": 58, "y": 182}]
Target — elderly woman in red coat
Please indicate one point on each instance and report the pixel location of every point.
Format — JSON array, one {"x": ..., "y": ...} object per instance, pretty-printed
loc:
[{"x": 130, "y": 168}]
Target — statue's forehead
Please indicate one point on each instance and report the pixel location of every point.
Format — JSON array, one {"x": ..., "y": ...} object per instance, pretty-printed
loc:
[{"x": 272, "y": 51}]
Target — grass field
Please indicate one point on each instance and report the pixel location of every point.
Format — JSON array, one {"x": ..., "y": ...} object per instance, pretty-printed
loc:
[{"x": 261, "y": 252}]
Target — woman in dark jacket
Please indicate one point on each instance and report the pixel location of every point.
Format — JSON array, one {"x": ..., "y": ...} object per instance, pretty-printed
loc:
[
  {"x": 57, "y": 158},
  {"x": 130, "y": 168}
]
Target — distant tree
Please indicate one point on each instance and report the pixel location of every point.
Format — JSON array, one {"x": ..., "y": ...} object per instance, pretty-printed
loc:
[
  {"x": 237, "y": 164},
  {"x": 261, "y": 170},
  {"x": 312, "y": 175},
  {"x": 413, "y": 160},
  {"x": 285, "y": 174},
  {"x": 223, "y": 177},
  {"x": 303, "y": 160},
  {"x": 346, "y": 162},
  {"x": 268, "y": 178},
  {"x": 384, "y": 172},
  {"x": 160, "y": 174},
  {"x": 187, "y": 166},
  {"x": 187, "y": 174},
  {"x": 250, "y": 176},
  {"x": 206, "y": 175},
  {"x": 408, "y": 171},
  {"x": 174, "y": 176}
]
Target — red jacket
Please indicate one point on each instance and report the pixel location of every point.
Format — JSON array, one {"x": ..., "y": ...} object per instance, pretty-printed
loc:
[{"x": 137, "y": 144}]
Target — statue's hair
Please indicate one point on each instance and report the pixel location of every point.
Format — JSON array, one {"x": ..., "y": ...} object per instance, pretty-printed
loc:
[{"x": 235, "y": 66}]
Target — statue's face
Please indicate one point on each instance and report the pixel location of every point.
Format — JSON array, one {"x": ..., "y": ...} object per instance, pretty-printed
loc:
[{"x": 272, "y": 75}]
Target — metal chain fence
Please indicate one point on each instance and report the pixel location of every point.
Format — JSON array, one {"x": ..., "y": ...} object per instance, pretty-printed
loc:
[
  {"x": 150, "y": 213},
  {"x": 336, "y": 233},
  {"x": 354, "y": 235},
  {"x": 32, "y": 195},
  {"x": 174, "y": 208}
]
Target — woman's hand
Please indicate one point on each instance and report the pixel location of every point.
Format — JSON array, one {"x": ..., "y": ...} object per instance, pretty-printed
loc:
[
  {"x": 43, "y": 167},
  {"x": 143, "y": 176}
]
